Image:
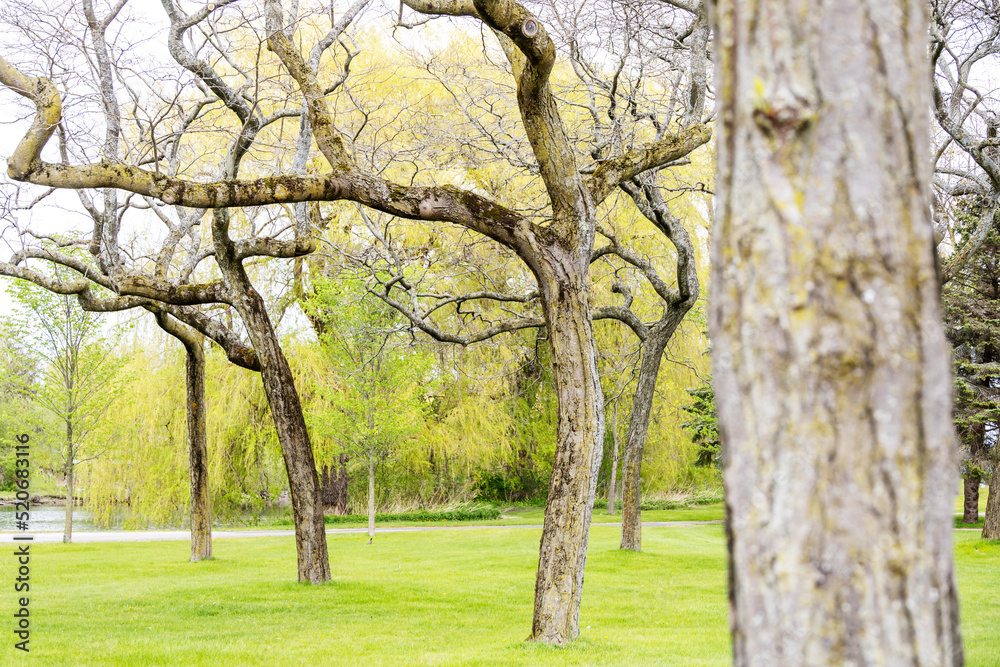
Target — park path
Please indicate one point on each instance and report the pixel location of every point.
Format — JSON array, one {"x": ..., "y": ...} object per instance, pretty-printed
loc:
[
  {"x": 170, "y": 535},
  {"x": 173, "y": 535}
]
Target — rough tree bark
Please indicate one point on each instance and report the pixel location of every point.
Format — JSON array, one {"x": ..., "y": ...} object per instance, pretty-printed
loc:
[
  {"x": 333, "y": 485},
  {"x": 831, "y": 370},
  {"x": 652, "y": 354},
  {"x": 991, "y": 524},
  {"x": 970, "y": 506},
  {"x": 201, "y": 506},
  {"x": 579, "y": 441},
  {"x": 286, "y": 408},
  {"x": 976, "y": 438}
]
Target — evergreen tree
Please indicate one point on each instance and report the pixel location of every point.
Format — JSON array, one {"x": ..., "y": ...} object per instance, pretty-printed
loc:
[
  {"x": 704, "y": 425},
  {"x": 972, "y": 315}
]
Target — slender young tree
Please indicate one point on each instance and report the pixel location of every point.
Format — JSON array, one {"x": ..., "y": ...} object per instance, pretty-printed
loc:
[
  {"x": 830, "y": 365},
  {"x": 375, "y": 399},
  {"x": 79, "y": 379}
]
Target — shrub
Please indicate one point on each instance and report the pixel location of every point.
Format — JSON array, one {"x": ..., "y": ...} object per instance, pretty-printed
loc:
[
  {"x": 472, "y": 513},
  {"x": 510, "y": 484}
]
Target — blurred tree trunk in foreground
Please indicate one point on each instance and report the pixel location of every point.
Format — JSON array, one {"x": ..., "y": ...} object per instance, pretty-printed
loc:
[{"x": 831, "y": 369}]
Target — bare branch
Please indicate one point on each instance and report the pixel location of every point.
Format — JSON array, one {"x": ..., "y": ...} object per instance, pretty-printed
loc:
[{"x": 614, "y": 171}]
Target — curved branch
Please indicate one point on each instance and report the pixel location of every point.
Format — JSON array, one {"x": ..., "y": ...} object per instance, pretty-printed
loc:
[
  {"x": 235, "y": 350},
  {"x": 436, "y": 333},
  {"x": 133, "y": 285},
  {"x": 331, "y": 145},
  {"x": 185, "y": 334},
  {"x": 444, "y": 7},
  {"x": 623, "y": 315},
  {"x": 969, "y": 144},
  {"x": 48, "y": 113},
  {"x": 983, "y": 226},
  {"x": 485, "y": 295},
  {"x": 443, "y": 203},
  {"x": 542, "y": 122},
  {"x": 612, "y": 172},
  {"x": 271, "y": 247}
]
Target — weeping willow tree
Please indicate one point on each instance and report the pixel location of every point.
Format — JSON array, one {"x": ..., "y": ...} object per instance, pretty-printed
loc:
[
  {"x": 146, "y": 470},
  {"x": 488, "y": 432}
]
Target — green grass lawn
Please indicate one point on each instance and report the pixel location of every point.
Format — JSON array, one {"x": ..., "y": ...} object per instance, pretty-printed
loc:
[
  {"x": 712, "y": 512},
  {"x": 534, "y": 516},
  {"x": 984, "y": 493},
  {"x": 978, "y": 565},
  {"x": 431, "y": 598}
]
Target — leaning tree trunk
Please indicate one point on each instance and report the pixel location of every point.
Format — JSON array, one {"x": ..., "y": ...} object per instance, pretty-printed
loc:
[
  {"x": 650, "y": 201},
  {"x": 831, "y": 369},
  {"x": 70, "y": 453},
  {"x": 991, "y": 524},
  {"x": 201, "y": 507},
  {"x": 579, "y": 446},
  {"x": 642, "y": 404},
  {"x": 286, "y": 409},
  {"x": 289, "y": 421}
]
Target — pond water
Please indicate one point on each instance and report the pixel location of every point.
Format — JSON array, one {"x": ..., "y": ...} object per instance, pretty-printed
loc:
[
  {"x": 47, "y": 517},
  {"x": 52, "y": 517}
]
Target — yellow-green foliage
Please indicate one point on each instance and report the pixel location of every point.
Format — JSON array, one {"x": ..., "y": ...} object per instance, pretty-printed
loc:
[
  {"x": 144, "y": 461},
  {"x": 142, "y": 475},
  {"x": 476, "y": 422},
  {"x": 419, "y": 116},
  {"x": 668, "y": 461},
  {"x": 244, "y": 456},
  {"x": 670, "y": 454}
]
